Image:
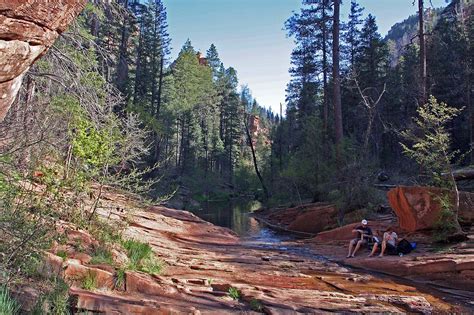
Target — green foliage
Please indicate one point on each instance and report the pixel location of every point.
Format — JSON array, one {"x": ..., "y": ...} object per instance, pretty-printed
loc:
[
  {"x": 137, "y": 251},
  {"x": 102, "y": 255},
  {"x": 430, "y": 143},
  {"x": 55, "y": 302},
  {"x": 62, "y": 254},
  {"x": 141, "y": 257},
  {"x": 89, "y": 282},
  {"x": 29, "y": 218},
  {"x": 446, "y": 225},
  {"x": 234, "y": 293},
  {"x": 8, "y": 306},
  {"x": 256, "y": 305},
  {"x": 120, "y": 277},
  {"x": 151, "y": 265}
]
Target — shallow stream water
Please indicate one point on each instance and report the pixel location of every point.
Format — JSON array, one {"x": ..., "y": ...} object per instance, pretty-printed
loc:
[{"x": 237, "y": 216}]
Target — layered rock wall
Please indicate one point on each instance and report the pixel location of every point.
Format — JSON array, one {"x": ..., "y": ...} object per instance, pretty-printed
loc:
[{"x": 27, "y": 29}]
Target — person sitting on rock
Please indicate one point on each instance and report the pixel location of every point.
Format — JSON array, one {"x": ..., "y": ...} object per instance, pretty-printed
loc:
[
  {"x": 388, "y": 244},
  {"x": 376, "y": 241},
  {"x": 364, "y": 234}
]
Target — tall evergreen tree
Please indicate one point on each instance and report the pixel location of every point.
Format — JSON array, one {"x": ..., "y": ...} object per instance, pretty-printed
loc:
[{"x": 352, "y": 34}]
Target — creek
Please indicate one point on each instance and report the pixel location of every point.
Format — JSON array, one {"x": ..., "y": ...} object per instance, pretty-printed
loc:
[{"x": 237, "y": 215}]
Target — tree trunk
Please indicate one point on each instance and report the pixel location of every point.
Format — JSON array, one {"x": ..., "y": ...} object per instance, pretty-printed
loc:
[
  {"x": 421, "y": 34},
  {"x": 122, "y": 66},
  {"x": 336, "y": 75},
  {"x": 160, "y": 87},
  {"x": 325, "y": 72},
  {"x": 255, "y": 164},
  {"x": 280, "y": 134}
]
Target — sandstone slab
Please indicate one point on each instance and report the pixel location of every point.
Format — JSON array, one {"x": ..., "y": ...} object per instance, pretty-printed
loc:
[{"x": 27, "y": 29}]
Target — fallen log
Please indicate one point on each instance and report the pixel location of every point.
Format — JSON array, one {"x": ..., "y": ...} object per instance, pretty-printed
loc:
[
  {"x": 384, "y": 186},
  {"x": 462, "y": 174}
]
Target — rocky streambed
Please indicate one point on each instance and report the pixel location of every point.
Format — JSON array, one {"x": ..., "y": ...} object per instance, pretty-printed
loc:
[{"x": 211, "y": 270}]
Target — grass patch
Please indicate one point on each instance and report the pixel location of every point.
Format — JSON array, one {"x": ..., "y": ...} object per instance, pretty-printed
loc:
[
  {"x": 152, "y": 266},
  {"x": 120, "y": 278},
  {"x": 137, "y": 251},
  {"x": 234, "y": 293},
  {"x": 142, "y": 258},
  {"x": 8, "y": 306},
  {"x": 89, "y": 282},
  {"x": 102, "y": 256}
]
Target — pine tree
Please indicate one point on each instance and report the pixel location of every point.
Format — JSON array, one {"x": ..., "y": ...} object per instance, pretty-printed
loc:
[
  {"x": 336, "y": 79},
  {"x": 352, "y": 34}
]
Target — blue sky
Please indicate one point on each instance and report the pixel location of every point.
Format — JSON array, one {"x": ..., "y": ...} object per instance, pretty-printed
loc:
[{"x": 249, "y": 35}]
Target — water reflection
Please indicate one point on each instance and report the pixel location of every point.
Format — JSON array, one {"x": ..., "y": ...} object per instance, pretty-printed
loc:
[{"x": 233, "y": 214}]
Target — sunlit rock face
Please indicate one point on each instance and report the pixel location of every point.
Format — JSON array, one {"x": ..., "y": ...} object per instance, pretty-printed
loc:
[
  {"x": 418, "y": 208},
  {"x": 27, "y": 29}
]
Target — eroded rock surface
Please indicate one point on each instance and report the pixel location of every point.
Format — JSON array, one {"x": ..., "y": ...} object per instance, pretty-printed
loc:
[
  {"x": 204, "y": 261},
  {"x": 27, "y": 29},
  {"x": 418, "y": 208}
]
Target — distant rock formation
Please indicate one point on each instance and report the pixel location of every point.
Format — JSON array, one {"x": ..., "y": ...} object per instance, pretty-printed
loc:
[{"x": 27, "y": 29}]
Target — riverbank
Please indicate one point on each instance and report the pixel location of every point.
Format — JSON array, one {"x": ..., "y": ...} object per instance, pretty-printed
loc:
[
  {"x": 209, "y": 270},
  {"x": 450, "y": 268}
]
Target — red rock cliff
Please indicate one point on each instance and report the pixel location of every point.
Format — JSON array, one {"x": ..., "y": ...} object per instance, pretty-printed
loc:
[{"x": 27, "y": 29}]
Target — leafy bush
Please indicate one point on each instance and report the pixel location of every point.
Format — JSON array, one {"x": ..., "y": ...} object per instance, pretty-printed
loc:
[
  {"x": 446, "y": 224},
  {"x": 8, "y": 306},
  {"x": 429, "y": 144}
]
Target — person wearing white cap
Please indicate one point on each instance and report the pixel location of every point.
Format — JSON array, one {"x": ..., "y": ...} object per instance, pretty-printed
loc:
[{"x": 364, "y": 234}]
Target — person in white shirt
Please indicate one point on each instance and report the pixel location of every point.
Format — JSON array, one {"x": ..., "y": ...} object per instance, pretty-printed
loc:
[{"x": 388, "y": 244}]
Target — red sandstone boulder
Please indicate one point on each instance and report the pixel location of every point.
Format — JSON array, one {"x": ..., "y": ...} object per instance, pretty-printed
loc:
[
  {"x": 418, "y": 208},
  {"x": 27, "y": 29},
  {"x": 309, "y": 218},
  {"x": 314, "y": 219}
]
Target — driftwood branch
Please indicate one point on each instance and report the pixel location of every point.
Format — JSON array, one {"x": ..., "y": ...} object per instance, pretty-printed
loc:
[{"x": 461, "y": 174}]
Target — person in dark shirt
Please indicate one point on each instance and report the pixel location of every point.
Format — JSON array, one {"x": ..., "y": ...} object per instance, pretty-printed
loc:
[{"x": 364, "y": 235}]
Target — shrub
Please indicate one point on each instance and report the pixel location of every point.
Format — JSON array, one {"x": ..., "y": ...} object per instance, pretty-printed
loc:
[
  {"x": 8, "y": 306},
  {"x": 446, "y": 224}
]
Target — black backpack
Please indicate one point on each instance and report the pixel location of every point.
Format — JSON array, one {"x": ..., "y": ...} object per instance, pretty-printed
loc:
[{"x": 404, "y": 247}]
